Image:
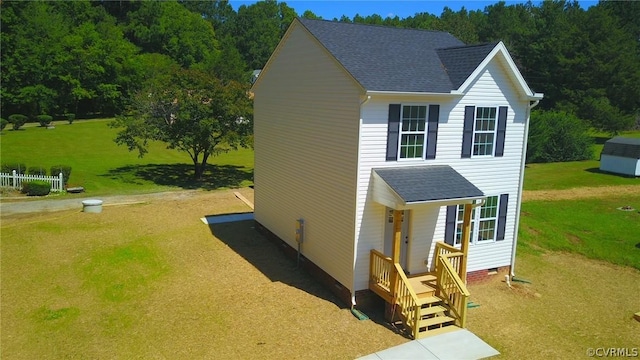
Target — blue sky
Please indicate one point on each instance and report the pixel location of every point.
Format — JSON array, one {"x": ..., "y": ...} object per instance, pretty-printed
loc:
[{"x": 329, "y": 9}]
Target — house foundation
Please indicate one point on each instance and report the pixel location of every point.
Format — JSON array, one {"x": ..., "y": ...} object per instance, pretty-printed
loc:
[{"x": 474, "y": 277}]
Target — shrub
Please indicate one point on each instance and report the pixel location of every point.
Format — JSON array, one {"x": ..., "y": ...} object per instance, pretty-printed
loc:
[
  {"x": 3, "y": 123},
  {"x": 44, "y": 120},
  {"x": 70, "y": 117},
  {"x": 36, "y": 188},
  {"x": 17, "y": 120},
  {"x": 20, "y": 168},
  {"x": 37, "y": 170},
  {"x": 64, "y": 169},
  {"x": 556, "y": 136}
]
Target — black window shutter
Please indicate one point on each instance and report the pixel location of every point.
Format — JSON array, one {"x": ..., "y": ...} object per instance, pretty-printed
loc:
[
  {"x": 393, "y": 132},
  {"x": 450, "y": 225},
  {"x": 502, "y": 216},
  {"x": 467, "y": 135},
  {"x": 502, "y": 128},
  {"x": 432, "y": 131}
]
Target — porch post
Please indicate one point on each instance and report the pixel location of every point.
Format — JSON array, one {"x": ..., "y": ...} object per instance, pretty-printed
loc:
[
  {"x": 466, "y": 235},
  {"x": 395, "y": 252},
  {"x": 397, "y": 235}
]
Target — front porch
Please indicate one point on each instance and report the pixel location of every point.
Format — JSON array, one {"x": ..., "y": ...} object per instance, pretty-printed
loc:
[
  {"x": 435, "y": 301},
  {"x": 427, "y": 304}
]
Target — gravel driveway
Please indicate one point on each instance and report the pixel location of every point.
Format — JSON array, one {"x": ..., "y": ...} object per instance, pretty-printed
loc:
[{"x": 29, "y": 205}]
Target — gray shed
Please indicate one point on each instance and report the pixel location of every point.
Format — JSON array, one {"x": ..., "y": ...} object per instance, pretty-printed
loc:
[{"x": 621, "y": 155}]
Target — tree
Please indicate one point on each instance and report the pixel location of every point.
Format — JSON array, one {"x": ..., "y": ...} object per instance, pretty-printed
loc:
[
  {"x": 308, "y": 14},
  {"x": 166, "y": 27},
  {"x": 258, "y": 29},
  {"x": 557, "y": 136},
  {"x": 193, "y": 112}
]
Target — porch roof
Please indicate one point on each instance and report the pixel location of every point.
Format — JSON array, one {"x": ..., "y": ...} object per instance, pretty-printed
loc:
[{"x": 401, "y": 187}]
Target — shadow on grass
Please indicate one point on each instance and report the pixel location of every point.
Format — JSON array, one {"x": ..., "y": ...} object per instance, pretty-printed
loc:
[
  {"x": 598, "y": 171},
  {"x": 600, "y": 140},
  {"x": 269, "y": 259},
  {"x": 181, "y": 175}
]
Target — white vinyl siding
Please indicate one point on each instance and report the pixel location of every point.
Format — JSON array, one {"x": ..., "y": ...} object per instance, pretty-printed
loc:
[
  {"x": 306, "y": 129},
  {"x": 491, "y": 87}
]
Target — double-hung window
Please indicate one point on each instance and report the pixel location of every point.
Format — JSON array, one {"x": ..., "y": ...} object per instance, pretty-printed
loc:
[
  {"x": 487, "y": 221},
  {"x": 412, "y": 131},
  {"x": 484, "y": 131}
]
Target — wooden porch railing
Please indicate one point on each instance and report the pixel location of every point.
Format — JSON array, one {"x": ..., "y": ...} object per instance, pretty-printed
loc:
[
  {"x": 451, "y": 289},
  {"x": 381, "y": 272},
  {"x": 407, "y": 301},
  {"x": 454, "y": 255},
  {"x": 389, "y": 281}
]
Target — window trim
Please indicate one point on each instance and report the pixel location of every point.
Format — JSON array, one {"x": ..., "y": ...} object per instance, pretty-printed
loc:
[
  {"x": 475, "y": 131},
  {"x": 424, "y": 133},
  {"x": 475, "y": 220}
]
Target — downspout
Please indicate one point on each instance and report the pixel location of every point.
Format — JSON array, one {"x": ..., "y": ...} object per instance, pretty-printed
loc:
[
  {"x": 521, "y": 186},
  {"x": 355, "y": 252}
]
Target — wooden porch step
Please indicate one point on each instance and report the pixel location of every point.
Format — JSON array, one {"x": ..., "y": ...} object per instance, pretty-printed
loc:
[
  {"x": 432, "y": 310},
  {"x": 438, "y": 320},
  {"x": 429, "y": 300},
  {"x": 438, "y": 331}
]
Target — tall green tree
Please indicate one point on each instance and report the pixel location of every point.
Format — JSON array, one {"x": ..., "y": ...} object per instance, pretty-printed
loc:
[
  {"x": 192, "y": 112},
  {"x": 166, "y": 27},
  {"x": 63, "y": 56},
  {"x": 259, "y": 28}
]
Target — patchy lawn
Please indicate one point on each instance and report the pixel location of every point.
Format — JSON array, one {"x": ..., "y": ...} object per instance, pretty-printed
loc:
[
  {"x": 150, "y": 280},
  {"x": 572, "y": 304}
]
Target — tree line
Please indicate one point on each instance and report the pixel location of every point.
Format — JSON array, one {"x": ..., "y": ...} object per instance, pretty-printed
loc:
[{"x": 93, "y": 57}]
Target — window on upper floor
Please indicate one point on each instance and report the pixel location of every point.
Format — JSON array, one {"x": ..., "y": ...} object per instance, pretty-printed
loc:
[
  {"x": 484, "y": 131},
  {"x": 487, "y": 221},
  {"x": 412, "y": 131}
]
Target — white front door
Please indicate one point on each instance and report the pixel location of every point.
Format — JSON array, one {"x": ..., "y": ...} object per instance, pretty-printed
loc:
[{"x": 388, "y": 235}]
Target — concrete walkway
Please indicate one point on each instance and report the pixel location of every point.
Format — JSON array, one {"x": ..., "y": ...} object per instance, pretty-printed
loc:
[{"x": 459, "y": 345}]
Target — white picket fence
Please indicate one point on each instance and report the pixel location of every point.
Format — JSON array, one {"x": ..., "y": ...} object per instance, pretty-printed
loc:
[{"x": 15, "y": 180}]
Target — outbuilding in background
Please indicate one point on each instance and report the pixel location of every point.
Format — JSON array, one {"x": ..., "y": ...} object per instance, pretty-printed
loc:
[{"x": 621, "y": 155}]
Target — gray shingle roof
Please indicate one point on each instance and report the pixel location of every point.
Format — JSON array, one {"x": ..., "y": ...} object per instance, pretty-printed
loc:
[
  {"x": 623, "y": 147},
  {"x": 461, "y": 61},
  {"x": 428, "y": 183},
  {"x": 394, "y": 59}
]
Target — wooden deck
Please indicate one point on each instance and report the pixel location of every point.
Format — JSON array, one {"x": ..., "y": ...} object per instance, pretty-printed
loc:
[{"x": 423, "y": 284}]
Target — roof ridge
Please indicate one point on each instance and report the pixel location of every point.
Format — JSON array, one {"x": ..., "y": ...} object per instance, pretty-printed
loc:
[{"x": 471, "y": 46}]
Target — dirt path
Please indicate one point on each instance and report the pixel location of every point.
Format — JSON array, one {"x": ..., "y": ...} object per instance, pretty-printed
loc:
[
  {"x": 580, "y": 193},
  {"x": 24, "y": 206}
]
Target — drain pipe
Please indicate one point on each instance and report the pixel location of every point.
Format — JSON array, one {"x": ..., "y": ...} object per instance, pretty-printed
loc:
[{"x": 520, "y": 188}]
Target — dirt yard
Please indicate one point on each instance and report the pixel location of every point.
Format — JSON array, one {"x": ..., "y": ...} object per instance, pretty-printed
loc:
[
  {"x": 149, "y": 280},
  {"x": 579, "y": 193}
]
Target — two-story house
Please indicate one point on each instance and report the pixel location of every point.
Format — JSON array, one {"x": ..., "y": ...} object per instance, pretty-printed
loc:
[{"x": 379, "y": 150}]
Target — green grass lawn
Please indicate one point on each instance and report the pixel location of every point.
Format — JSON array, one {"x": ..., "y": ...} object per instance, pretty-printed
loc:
[
  {"x": 594, "y": 228},
  {"x": 568, "y": 175},
  {"x": 104, "y": 168}
]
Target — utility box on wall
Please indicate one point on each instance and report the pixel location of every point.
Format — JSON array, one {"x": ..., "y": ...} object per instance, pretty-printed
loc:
[{"x": 300, "y": 231}]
